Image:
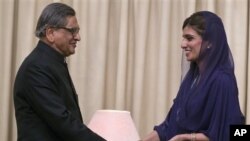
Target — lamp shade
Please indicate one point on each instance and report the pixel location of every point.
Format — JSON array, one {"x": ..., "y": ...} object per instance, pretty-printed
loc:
[{"x": 114, "y": 125}]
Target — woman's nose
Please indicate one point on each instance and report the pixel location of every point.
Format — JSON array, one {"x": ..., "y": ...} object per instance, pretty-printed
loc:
[{"x": 183, "y": 44}]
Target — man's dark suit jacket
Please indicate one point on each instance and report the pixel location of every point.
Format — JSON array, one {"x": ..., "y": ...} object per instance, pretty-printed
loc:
[{"x": 45, "y": 100}]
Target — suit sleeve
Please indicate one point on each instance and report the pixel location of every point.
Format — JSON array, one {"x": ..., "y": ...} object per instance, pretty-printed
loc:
[{"x": 44, "y": 98}]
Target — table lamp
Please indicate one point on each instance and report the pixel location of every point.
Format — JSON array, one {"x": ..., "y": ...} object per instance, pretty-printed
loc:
[{"x": 114, "y": 125}]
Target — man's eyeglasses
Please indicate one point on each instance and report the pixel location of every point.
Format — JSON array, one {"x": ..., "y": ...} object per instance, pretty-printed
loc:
[{"x": 73, "y": 31}]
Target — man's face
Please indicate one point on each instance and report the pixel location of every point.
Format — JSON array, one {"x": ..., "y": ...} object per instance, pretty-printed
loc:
[{"x": 65, "y": 38}]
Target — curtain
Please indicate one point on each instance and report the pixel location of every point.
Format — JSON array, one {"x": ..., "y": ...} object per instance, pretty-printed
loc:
[{"x": 129, "y": 56}]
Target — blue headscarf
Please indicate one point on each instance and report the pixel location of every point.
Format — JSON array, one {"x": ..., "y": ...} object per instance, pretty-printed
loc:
[{"x": 207, "y": 101}]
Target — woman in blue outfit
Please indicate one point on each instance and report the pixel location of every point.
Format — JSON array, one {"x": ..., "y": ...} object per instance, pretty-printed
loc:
[{"x": 207, "y": 102}]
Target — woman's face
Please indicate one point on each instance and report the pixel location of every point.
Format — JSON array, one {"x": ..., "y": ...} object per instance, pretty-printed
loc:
[{"x": 191, "y": 43}]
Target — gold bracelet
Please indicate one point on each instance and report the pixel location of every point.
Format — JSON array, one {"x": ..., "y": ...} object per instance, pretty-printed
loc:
[{"x": 193, "y": 137}]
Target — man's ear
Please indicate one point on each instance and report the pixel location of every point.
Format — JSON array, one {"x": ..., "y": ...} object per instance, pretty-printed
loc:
[{"x": 50, "y": 35}]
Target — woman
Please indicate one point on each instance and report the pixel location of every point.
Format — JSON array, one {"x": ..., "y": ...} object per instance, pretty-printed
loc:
[{"x": 207, "y": 102}]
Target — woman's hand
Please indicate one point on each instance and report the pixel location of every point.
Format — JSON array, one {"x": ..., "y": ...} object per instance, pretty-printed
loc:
[
  {"x": 181, "y": 137},
  {"x": 190, "y": 137}
]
